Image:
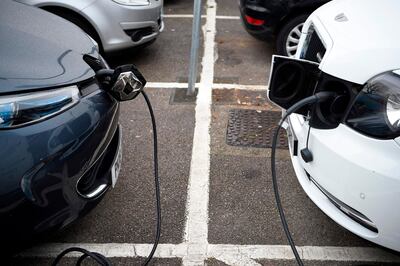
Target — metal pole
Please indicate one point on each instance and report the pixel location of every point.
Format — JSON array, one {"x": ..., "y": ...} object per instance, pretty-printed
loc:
[{"x": 195, "y": 47}]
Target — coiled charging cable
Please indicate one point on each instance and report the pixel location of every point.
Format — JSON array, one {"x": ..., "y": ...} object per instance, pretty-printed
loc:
[
  {"x": 101, "y": 259},
  {"x": 316, "y": 98}
]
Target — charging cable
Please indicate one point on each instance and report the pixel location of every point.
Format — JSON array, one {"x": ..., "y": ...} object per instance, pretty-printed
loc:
[
  {"x": 316, "y": 98},
  {"x": 101, "y": 259}
]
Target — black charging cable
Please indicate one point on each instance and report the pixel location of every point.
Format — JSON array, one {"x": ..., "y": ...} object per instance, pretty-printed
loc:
[
  {"x": 156, "y": 179},
  {"x": 101, "y": 259},
  {"x": 316, "y": 98}
]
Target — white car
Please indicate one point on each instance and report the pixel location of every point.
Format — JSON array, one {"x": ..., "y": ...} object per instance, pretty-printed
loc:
[{"x": 352, "y": 170}]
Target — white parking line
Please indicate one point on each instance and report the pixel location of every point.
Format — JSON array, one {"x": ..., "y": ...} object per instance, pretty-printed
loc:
[
  {"x": 240, "y": 87},
  {"x": 180, "y": 16},
  {"x": 168, "y": 85},
  {"x": 228, "y": 17},
  {"x": 284, "y": 252},
  {"x": 231, "y": 254},
  {"x": 171, "y": 85},
  {"x": 196, "y": 227},
  {"x": 203, "y": 16}
]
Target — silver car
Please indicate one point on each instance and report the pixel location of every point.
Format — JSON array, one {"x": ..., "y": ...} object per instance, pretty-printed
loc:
[{"x": 114, "y": 24}]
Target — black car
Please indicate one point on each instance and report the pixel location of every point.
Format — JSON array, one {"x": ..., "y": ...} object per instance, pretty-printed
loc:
[
  {"x": 59, "y": 131},
  {"x": 281, "y": 20}
]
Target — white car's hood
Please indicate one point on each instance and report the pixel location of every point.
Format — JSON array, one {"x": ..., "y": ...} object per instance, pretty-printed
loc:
[{"x": 364, "y": 38}]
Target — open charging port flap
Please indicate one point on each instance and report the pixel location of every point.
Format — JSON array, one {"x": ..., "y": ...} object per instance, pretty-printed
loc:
[{"x": 292, "y": 80}]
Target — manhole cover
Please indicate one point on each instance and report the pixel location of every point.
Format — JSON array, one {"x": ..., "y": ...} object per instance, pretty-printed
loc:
[{"x": 252, "y": 128}]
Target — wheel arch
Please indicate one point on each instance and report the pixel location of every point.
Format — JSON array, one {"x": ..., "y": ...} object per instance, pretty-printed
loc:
[
  {"x": 295, "y": 12},
  {"x": 73, "y": 15}
]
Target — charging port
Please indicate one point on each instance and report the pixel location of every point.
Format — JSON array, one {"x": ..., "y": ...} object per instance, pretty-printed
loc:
[{"x": 329, "y": 114}]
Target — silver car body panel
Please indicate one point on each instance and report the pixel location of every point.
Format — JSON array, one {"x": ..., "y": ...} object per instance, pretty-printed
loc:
[{"x": 110, "y": 19}]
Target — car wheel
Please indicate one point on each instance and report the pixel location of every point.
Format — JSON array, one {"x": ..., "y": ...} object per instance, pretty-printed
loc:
[{"x": 289, "y": 36}]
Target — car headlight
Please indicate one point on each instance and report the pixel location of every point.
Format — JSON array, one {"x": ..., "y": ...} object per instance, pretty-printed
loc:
[
  {"x": 133, "y": 2},
  {"x": 376, "y": 109},
  {"x": 23, "y": 109}
]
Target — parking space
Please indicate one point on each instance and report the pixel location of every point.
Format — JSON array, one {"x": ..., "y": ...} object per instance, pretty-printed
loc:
[
  {"x": 242, "y": 205},
  {"x": 218, "y": 206},
  {"x": 240, "y": 58},
  {"x": 127, "y": 213},
  {"x": 227, "y": 8},
  {"x": 178, "y": 7},
  {"x": 167, "y": 59}
]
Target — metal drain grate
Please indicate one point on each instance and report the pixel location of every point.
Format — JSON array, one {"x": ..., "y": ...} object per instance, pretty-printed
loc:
[{"x": 252, "y": 128}]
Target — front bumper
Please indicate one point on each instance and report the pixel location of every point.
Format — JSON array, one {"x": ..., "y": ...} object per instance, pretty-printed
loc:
[
  {"x": 47, "y": 168},
  {"x": 121, "y": 26},
  {"x": 356, "y": 170}
]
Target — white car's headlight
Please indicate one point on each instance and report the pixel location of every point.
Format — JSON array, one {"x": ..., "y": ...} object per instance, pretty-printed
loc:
[
  {"x": 133, "y": 2},
  {"x": 23, "y": 109},
  {"x": 376, "y": 109}
]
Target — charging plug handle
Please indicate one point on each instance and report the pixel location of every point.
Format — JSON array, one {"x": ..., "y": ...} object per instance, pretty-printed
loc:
[
  {"x": 316, "y": 98},
  {"x": 124, "y": 83}
]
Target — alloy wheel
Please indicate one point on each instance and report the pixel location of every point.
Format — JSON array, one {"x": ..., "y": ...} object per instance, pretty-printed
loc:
[{"x": 292, "y": 40}]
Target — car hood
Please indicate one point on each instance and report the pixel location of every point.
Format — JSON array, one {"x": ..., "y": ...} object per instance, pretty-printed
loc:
[
  {"x": 360, "y": 37},
  {"x": 40, "y": 50}
]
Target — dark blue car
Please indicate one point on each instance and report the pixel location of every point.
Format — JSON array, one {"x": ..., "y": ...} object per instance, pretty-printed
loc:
[{"x": 59, "y": 133}]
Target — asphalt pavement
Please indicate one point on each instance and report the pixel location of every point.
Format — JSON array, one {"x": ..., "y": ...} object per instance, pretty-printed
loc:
[{"x": 242, "y": 223}]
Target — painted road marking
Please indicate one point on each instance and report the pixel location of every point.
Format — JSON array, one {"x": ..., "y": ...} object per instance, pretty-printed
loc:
[
  {"x": 171, "y": 85},
  {"x": 196, "y": 227},
  {"x": 203, "y": 16},
  {"x": 221, "y": 252}
]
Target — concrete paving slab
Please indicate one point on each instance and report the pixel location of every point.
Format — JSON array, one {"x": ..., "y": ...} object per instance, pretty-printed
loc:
[
  {"x": 167, "y": 59},
  {"x": 127, "y": 214},
  {"x": 240, "y": 58}
]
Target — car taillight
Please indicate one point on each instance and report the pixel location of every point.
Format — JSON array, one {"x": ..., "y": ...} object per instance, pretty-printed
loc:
[{"x": 254, "y": 21}]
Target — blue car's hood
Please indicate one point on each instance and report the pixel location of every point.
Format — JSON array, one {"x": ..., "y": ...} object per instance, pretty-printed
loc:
[{"x": 40, "y": 50}]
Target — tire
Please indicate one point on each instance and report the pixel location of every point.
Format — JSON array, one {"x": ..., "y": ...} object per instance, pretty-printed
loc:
[{"x": 292, "y": 30}]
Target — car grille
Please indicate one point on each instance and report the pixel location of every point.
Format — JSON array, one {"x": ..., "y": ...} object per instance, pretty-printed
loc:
[{"x": 314, "y": 50}]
